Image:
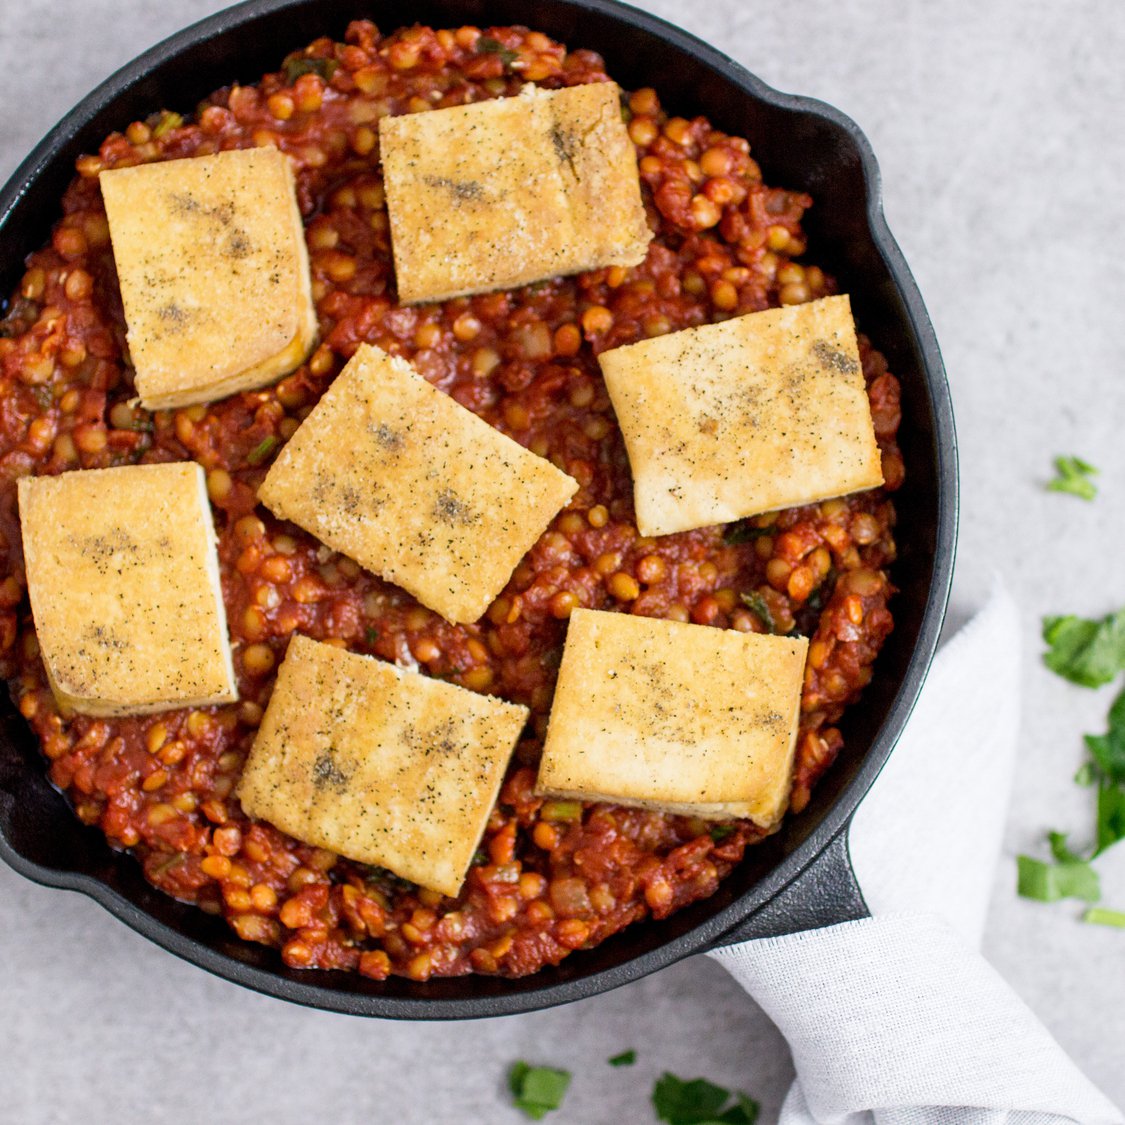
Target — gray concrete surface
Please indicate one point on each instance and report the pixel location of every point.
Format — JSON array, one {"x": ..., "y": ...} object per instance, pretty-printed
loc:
[{"x": 998, "y": 129}]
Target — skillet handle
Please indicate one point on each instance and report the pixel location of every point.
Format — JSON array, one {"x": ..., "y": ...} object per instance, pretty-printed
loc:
[{"x": 824, "y": 894}]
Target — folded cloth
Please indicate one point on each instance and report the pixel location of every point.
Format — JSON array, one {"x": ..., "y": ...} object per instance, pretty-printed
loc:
[{"x": 897, "y": 1019}]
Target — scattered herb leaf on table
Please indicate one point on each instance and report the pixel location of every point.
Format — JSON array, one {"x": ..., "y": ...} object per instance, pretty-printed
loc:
[
  {"x": 1102, "y": 917},
  {"x": 1049, "y": 882},
  {"x": 699, "y": 1102},
  {"x": 537, "y": 1089},
  {"x": 1073, "y": 476},
  {"x": 1088, "y": 653}
]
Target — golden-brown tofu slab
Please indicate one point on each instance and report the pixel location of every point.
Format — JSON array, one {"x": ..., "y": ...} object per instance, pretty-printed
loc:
[
  {"x": 410, "y": 484},
  {"x": 210, "y": 253},
  {"x": 683, "y": 718},
  {"x": 383, "y": 766},
  {"x": 756, "y": 413},
  {"x": 123, "y": 575},
  {"x": 503, "y": 193}
]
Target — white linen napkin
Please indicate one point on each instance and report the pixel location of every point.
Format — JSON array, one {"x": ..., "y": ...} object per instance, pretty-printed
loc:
[{"x": 897, "y": 1019}]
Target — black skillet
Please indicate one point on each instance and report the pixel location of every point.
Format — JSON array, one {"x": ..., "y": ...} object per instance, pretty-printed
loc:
[{"x": 799, "y": 878}]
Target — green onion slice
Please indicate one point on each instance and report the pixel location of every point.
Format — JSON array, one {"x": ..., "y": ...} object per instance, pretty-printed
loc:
[{"x": 262, "y": 450}]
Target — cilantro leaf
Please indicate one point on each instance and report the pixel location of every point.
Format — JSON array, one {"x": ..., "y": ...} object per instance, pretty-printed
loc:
[
  {"x": 743, "y": 1112},
  {"x": 1086, "y": 773},
  {"x": 1100, "y": 751},
  {"x": 1102, "y": 917},
  {"x": 626, "y": 1058},
  {"x": 1108, "y": 750},
  {"x": 719, "y": 832},
  {"x": 516, "y": 1074},
  {"x": 1059, "y": 849},
  {"x": 1071, "y": 875},
  {"x": 295, "y": 66},
  {"x": 699, "y": 1102},
  {"x": 537, "y": 1089},
  {"x": 1073, "y": 476},
  {"x": 1049, "y": 882},
  {"x": 822, "y": 593},
  {"x": 168, "y": 121},
  {"x": 742, "y": 531},
  {"x": 1111, "y": 816},
  {"x": 682, "y": 1102},
  {"x": 495, "y": 47},
  {"x": 758, "y": 605},
  {"x": 1088, "y": 653}
]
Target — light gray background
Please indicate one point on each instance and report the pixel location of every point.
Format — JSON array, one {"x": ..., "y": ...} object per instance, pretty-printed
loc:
[{"x": 999, "y": 133}]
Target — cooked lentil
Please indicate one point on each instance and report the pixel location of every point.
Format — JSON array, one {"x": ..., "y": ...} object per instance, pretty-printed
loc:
[{"x": 552, "y": 876}]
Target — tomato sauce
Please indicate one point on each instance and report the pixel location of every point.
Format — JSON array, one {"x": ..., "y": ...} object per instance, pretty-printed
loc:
[{"x": 549, "y": 877}]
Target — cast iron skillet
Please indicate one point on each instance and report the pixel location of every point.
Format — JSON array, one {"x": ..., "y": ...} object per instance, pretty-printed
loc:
[{"x": 800, "y": 877}]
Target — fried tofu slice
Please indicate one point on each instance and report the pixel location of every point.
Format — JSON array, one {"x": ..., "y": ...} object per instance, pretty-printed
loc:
[
  {"x": 210, "y": 253},
  {"x": 383, "y": 766},
  {"x": 523, "y": 188},
  {"x": 404, "y": 480},
  {"x": 123, "y": 574},
  {"x": 752, "y": 414},
  {"x": 683, "y": 718}
]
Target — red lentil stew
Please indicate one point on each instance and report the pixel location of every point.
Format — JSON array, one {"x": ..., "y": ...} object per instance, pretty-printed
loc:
[{"x": 550, "y": 876}]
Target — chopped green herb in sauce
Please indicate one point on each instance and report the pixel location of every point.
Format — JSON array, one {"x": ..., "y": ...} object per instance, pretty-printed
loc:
[
  {"x": 261, "y": 452},
  {"x": 561, "y": 811},
  {"x": 495, "y": 47},
  {"x": 626, "y": 1058},
  {"x": 168, "y": 121},
  {"x": 294, "y": 67},
  {"x": 821, "y": 594},
  {"x": 743, "y": 531},
  {"x": 169, "y": 864},
  {"x": 1073, "y": 476},
  {"x": 537, "y": 1089},
  {"x": 385, "y": 880},
  {"x": 757, "y": 605}
]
